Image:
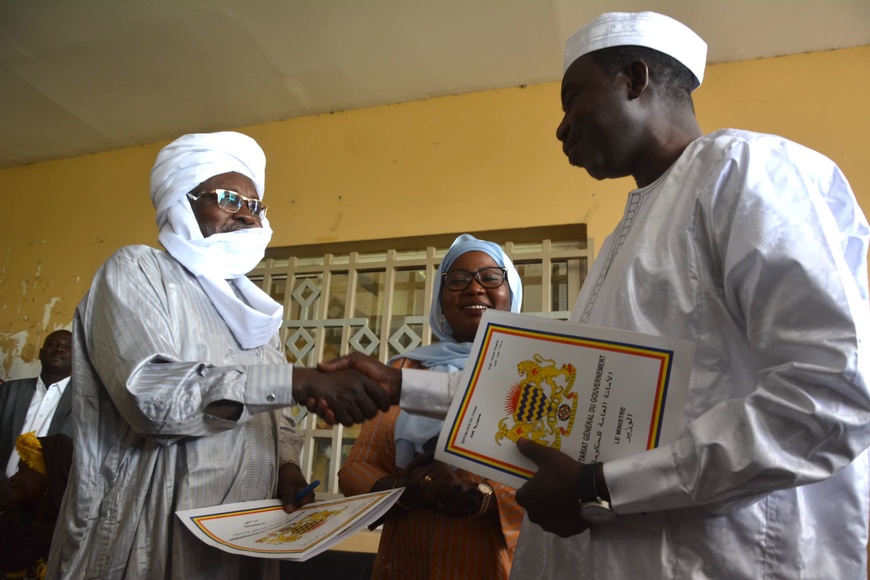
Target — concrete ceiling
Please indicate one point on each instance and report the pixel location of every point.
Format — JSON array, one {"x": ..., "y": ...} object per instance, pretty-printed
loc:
[{"x": 81, "y": 76}]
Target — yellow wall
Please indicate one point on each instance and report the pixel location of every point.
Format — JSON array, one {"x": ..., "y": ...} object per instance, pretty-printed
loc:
[{"x": 473, "y": 162}]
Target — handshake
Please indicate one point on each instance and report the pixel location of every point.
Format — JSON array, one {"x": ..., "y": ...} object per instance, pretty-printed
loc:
[{"x": 347, "y": 390}]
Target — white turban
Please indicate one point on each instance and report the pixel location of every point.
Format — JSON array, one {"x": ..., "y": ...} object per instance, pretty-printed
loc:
[
  {"x": 221, "y": 258},
  {"x": 649, "y": 29}
]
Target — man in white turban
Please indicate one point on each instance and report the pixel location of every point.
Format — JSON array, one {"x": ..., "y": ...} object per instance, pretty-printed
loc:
[
  {"x": 181, "y": 396},
  {"x": 754, "y": 248}
]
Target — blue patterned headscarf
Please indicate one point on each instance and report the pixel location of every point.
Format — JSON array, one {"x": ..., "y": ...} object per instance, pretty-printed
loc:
[{"x": 447, "y": 355}]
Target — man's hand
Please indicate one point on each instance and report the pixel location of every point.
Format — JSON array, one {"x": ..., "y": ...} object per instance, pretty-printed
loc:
[
  {"x": 290, "y": 482},
  {"x": 551, "y": 498},
  {"x": 389, "y": 377},
  {"x": 345, "y": 396}
]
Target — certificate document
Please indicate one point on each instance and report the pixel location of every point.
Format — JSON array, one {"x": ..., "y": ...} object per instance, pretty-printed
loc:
[
  {"x": 261, "y": 529},
  {"x": 593, "y": 393}
]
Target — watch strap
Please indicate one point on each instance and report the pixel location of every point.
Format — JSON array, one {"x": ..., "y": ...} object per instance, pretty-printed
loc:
[
  {"x": 487, "y": 498},
  {"x": 594, "y": 508},
  {"x": 587, "y": 486}
]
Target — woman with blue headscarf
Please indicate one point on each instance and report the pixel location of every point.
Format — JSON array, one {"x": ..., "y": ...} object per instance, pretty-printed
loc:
[{"x": 449, "y": 523}]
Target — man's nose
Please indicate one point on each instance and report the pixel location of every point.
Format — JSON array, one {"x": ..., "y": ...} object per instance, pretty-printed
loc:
[
  {"x": 562, "y": 130},
  {"x": 244, "y": 214}
]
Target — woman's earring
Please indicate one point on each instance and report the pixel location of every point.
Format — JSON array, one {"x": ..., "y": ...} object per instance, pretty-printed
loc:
[{"x": 442, "y": 323}]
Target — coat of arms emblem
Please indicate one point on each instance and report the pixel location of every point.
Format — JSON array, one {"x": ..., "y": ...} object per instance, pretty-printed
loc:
[
  {"x": 295, "y": 531},
  {"x": 540, "y": 407}
]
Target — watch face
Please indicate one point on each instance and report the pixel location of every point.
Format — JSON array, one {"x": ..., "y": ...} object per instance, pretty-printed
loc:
[
  {"x": 484, "y": 488},
  {"x": 597, "y": 512}
]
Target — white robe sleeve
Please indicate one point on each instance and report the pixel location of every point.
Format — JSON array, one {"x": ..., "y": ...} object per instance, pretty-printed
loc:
[
  {"x": 151, "y": 358},
  {"x": 428, "y": 393}
]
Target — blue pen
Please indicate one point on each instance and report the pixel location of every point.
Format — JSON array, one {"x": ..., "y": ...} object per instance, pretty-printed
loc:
[{"x": 299, "y": 495}]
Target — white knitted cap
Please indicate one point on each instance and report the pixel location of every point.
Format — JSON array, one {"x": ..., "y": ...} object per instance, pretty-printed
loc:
[{"x": 649, "y": 29}]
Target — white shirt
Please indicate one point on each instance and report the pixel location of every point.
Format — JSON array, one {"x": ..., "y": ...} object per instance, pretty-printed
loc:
[
  {"x": 754, "y": 248},
  {"x": 39, "y": 414}
]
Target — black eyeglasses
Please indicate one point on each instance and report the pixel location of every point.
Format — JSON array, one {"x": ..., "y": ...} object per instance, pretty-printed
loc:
[
  {"x": 457, "y": 280},
  {"x": 231, "y": 201}
]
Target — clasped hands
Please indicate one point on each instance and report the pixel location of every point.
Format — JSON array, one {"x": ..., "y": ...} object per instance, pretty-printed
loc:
[{"x": 347, "y": 390}]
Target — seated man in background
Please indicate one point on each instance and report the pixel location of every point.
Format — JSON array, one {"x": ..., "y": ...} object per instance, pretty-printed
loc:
[
  {"x": 41, "y": 404},
  {"x": 181, "y": 393}
]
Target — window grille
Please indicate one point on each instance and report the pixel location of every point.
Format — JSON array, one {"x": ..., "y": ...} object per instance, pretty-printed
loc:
[{"x": 377, "y": 302}]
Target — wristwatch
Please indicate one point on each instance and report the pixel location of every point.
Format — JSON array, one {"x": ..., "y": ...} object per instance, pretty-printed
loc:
[
  {"x": 486, "y": 491},
  {"x": 593, "y": 509}
]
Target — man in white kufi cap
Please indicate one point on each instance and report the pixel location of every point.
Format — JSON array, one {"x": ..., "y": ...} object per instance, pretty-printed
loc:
[
  {"x": 752, "y": 247},
  {"x": 181, "y": 395}
]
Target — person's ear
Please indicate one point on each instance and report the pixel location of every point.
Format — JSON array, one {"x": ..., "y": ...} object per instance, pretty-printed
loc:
[{"x": 638, "y": 79}]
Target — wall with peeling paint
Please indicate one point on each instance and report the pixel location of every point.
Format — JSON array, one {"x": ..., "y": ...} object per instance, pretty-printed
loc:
[{"x": 471, "y": 162}]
